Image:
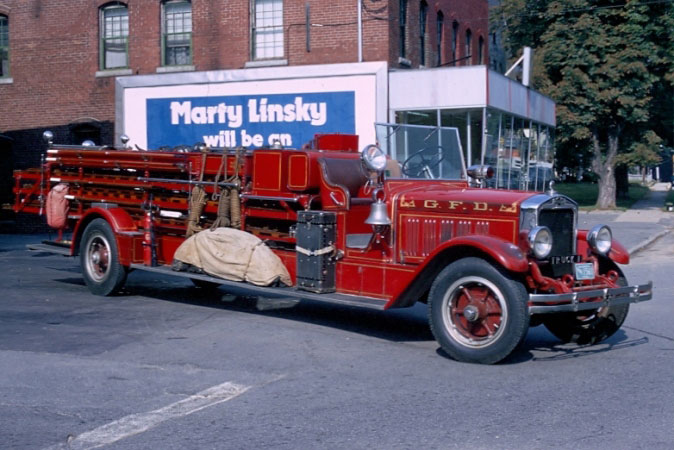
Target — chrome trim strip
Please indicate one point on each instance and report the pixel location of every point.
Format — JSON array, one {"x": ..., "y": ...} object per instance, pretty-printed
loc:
[
  {"x": 572, "y": 302},
  {"x": 269, "y": 197}
]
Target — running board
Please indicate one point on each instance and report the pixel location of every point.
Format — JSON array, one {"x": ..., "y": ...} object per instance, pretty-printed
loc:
[
  {"x": 244, "y": 288},
  {"x": 50, "y": 248}
]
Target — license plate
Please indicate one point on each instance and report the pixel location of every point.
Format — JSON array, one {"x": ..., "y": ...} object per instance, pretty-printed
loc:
[{"x": 584, "y": 271}]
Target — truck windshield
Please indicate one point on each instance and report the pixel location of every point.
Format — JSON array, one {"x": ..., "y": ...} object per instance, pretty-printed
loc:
[{"x": 418, "y": 151}]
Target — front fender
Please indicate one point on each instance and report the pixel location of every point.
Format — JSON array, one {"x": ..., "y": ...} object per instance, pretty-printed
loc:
[
  {"x": 502, "y": 252},
  {"x": 617, "y": 254}
]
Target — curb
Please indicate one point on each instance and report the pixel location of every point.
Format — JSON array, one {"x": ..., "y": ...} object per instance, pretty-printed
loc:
[{"x": 646, "y": 242}]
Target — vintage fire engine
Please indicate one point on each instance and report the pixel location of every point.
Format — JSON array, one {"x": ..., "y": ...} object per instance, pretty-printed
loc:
[{"x": 352, "y": 228}]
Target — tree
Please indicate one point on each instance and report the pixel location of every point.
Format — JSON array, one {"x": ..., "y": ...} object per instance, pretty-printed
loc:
[{"x": 601, "y": 61}]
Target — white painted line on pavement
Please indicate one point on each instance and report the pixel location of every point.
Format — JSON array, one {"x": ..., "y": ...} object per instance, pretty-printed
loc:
[{"x": 138, "y": 423}]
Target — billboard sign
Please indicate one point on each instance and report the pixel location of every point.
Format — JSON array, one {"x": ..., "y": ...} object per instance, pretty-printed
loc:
[
  {"x": 252, "y": 107},
  {"x": 251, "y": 121}
]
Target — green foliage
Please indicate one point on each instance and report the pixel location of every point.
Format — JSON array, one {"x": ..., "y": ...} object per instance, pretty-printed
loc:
[
  {"x": 644, "y": 152},
  {"x": 609, "y": 65}
]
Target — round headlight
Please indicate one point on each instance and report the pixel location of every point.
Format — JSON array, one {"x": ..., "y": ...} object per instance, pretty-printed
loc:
[
  {"x": 540, "y": 242},
  {"x": 374, "y": 158},
  {"x": 599, "y": 238}
]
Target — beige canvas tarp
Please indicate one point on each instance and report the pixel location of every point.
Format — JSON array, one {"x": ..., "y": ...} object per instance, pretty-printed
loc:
[{"x": 233, "y": 255}]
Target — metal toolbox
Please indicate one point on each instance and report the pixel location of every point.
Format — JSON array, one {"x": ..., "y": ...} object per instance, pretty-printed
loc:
[{"x": 316, "y": 236}]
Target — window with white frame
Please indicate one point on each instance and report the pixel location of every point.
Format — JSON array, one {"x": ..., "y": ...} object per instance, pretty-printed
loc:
[
  {"x": 267, "y": 29},
  {"x": 176, "y": 33},
  {"x": 114, "y": 36},
  {"x": 4, "y": 46}
]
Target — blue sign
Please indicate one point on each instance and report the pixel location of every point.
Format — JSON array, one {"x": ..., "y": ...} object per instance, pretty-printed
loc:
[{"x": 249, "y": 120}]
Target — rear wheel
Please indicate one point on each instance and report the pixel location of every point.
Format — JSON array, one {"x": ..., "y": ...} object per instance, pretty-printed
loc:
[
  {"x": 99, "y": 258},
  {"x": 477, "y": 312},
  {"x": 592, "y": 327}
]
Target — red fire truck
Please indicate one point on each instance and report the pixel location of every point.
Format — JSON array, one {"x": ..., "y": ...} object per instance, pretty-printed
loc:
[{"x": 382, "y": 228}]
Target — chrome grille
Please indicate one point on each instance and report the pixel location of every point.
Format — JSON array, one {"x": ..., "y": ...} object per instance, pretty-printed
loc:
[{"x": 561, "y": 223}]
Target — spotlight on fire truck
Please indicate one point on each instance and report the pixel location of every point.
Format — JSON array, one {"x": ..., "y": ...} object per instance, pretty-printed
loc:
[
  {"x": 374, "y": 158},
  {"x": 480, "y": 172},
  {"x": 48, "y": 137},
  {"x": 125, "y": 140},
  {"x": 600, "y": 238}
]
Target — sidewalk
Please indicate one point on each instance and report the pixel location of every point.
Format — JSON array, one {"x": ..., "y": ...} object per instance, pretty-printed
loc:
[{"x": 639, "y": 226}]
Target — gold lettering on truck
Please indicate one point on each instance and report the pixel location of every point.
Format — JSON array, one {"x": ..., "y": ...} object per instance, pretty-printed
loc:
[
  {"x": 509, "y": 208},
  {"x": 453, "y": 204},
  {"x": 406, "y": 204},
  {"x": 480, "y": 206},
  {"x": 430, "y": 204}
]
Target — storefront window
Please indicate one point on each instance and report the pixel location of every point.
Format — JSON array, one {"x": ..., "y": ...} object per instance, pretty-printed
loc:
[{"x": 425, "y": 117}]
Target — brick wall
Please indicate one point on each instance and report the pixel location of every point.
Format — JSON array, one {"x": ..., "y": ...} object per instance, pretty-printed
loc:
[{"x": 54, "y": 46}]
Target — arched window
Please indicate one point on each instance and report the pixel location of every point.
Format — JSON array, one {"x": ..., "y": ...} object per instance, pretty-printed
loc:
[
  {"x": 480, "y": 50},
  {"x": 114, "y": 36},
  {"x": 4, "y": 46},
  {"x": 455, "y": 38},
  {"x": 439, "y": 36},
  {"x": 423, "y": 15},
  {"x": 469, "y": 42},
  {"x": 402, "y": 22},
  {"x": 176, "y": 43}
]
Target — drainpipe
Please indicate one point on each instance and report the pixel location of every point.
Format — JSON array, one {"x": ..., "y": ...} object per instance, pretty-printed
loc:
[{"x": 360, "y": 30}]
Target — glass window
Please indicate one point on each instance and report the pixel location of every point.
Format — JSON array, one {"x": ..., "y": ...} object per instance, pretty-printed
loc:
[
  {"x": 468, "y": 55},
  {"x": 423, "y": 117},
  {"x": 4, "y": 46},
  {"x": 423, "y": 13},
  {"x": 177, "y": 33},
  {"x": 455, "y": 37},
  {"x": 114, "y": 36},
  {"x": 402, "y": 22},
  {"x": 480, "y": 50},
  {"x": 439, "y": 35},
  {"x": 267, "y": 32}
]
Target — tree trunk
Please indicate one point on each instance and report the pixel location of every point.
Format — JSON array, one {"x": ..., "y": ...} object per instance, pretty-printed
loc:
[{"x": 604, "y": 167}]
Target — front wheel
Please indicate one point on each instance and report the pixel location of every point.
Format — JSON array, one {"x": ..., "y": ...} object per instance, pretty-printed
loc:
[
  {"x": 99, "y": 258},
  {"x": 477, "y": 312},
  {"x": 592, "y": 327}
]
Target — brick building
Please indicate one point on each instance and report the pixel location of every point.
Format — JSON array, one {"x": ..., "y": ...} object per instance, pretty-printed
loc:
[{"x": 60, "y": 59}]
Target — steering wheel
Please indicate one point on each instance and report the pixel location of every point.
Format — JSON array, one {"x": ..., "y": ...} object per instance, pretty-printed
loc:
[{"x": 420, "y": 164}]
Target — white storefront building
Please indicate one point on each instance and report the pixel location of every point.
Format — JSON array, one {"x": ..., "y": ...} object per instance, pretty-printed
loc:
[{"x": 500, "y": 122}]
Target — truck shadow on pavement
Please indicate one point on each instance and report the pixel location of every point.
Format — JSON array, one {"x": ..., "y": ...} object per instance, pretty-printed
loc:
[
  {"x": 541, "y": 346},
  {"x": 401, "y": 325}
]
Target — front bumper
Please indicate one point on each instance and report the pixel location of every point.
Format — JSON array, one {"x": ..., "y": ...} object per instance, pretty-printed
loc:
[{"x": 592, "y": 299}]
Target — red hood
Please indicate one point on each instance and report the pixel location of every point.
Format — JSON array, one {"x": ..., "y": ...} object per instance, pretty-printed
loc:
[{"x": 434, "y": 196}]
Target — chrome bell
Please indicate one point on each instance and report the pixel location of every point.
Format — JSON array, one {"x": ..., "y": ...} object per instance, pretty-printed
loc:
[{"x": 378, "y": 214}]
